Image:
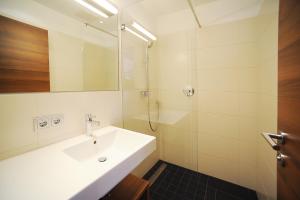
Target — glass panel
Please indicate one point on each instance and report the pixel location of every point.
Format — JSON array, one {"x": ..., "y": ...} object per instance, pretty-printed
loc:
[
  {"x": 83, "y": 52},
  {"x": 136, "y": 89},
  {"x": 176, "y": 62},
  {"x": 82, "y": 64},
  {"x": 171, "y": 69}
]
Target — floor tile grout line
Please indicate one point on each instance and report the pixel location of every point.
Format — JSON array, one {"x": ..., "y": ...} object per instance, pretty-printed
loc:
[
  {"x": 216, "y": 194},
  {"x": 184, "y": 181},
  {"x": 197, "y": 186},
  {"x": 205, "y": 189},
  {"x": 188, "y": 183},
  {"x": 228, "y": 193}
]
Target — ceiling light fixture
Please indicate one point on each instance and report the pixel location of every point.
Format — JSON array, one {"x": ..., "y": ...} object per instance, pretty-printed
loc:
[
  {"x": 143, "y": 30},
  {"x": 107, "y": 6},
  {"x": 135, "y": 33},
  {"x": 91, "y": 8}
]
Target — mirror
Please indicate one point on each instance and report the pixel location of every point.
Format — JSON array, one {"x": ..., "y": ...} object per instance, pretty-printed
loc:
[
  {"x": 77, "y": 64},
  {"x": 86, "y": 61},
  {"x": 79, "y": 48}
]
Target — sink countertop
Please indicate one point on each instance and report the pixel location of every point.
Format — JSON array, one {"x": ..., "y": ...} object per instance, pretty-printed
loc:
[{"x": 49, "y": 173}]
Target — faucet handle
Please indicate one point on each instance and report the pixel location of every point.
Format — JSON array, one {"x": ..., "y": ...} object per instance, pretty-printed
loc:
[{"x": 89, "y": 117}]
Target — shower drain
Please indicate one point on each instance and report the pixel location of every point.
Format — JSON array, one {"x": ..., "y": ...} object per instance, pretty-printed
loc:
[{"x": 102, "y": 159}]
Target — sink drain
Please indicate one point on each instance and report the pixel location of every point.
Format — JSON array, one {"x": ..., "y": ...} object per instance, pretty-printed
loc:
[{"x": 102, "y": 159}]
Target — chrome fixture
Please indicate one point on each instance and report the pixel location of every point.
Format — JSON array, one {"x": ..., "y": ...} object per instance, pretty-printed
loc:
[
  {"x": 281, "y": 158},
  {"x": 150, "y": 44},
  {"x": 188, "y": 91},
  {"x": 102, "y": 159},
  {"x": 194, "y": 13},
  {"x": 89, "y": 124},
  {"x": 147, "y": 92},
  {"x": 279, "y": 137}
]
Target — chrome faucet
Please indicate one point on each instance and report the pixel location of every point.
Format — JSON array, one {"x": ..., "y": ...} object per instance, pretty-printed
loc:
[{"x": 89, "y": 124}]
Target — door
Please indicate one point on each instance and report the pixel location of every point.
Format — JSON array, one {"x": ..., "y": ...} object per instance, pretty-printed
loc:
[{"x": 288, "y": 171}]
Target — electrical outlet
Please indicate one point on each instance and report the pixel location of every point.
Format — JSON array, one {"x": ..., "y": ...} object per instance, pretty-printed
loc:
[
  {"x": 57, "y": 120},
  {"x": 42, "y": 122}
]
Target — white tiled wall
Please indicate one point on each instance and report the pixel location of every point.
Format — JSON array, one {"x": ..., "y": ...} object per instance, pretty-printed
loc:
[
  {"x": 224, "y": 64},
  {"x": 221, "y": 62},
  {"x": 18, "y": 111},
  {"x": 267, "y": 104},
  {"x": 176, "y": 64},
  {"x": 233, "y": 69}
]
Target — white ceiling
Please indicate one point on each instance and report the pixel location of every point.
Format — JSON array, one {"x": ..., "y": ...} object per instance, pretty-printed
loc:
[
  {"x": 208, "y": 11},
  {"x": 78, "y": 12},
  {"x": 222, "y": 11},
  {"x": 162, "y": 7}
]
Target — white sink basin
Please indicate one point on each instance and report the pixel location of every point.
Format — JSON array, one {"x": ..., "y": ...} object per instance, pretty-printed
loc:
[
  {"x": 105, "y": 144},
  {"x": 71, "y": 170}
]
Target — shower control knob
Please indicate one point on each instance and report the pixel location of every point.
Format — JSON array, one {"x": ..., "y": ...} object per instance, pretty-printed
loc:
[{"x": 188, "y": 91}]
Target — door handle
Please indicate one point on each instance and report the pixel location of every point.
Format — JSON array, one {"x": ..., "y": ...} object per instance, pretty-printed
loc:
[
  {"x": 269, "y": 137},
  {"x": 281, "y": 158}
]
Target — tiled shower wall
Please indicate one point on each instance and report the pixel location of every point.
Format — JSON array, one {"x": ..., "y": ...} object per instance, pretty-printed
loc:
[
  {"x": 233, "y": 67},
  {"x": 218, "y": 133},
  {"x": 176, "y": 61},
  {"x": 227, "y": 69}
]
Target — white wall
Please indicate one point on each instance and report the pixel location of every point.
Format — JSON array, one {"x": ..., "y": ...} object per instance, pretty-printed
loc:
[
  {"x": 221, "y": 62},
  {"x": 267, "y": 102},
  {"x": 17, "y": 110},
  {"x": 235, "y": 99}
]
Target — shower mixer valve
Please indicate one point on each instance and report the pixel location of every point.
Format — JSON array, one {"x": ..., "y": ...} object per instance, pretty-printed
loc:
[
  {"x": 145, "y": 93},
  {"x": 188, "y": 91}
]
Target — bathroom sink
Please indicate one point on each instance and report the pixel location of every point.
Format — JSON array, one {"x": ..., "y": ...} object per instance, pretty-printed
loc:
[
  {"x": 105, "y": 144},
  {"x": 83, "y": 167},
  {"x": 110, "y": 144}
]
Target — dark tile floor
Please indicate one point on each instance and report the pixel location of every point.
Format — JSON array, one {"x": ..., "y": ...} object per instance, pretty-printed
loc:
[{"x": 177, "y": 183}]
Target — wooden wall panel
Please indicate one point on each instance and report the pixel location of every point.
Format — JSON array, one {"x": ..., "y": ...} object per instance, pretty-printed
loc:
[
  {"x": 288, "y": 176},
  {"x": 24, "y": 57}
]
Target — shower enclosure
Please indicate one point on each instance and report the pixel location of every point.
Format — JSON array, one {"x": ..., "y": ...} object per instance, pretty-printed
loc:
[
  {"x": 156, "y": 100},
  {"x": 212, "y": 86}
]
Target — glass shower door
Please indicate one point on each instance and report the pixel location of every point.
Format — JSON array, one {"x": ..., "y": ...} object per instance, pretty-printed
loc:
[
  {"x": 171, "y": 75},
  {"x": 136, "y": 89},
  {"x": 176, "y": 94}
]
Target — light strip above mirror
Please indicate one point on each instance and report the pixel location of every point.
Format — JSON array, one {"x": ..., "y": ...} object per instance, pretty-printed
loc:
[
  {"x": 107, "y": 6},
  {"x": 92, "y": 8},
  {"x": 143, "y": 30},
  {"x": 124, "y": 27}
]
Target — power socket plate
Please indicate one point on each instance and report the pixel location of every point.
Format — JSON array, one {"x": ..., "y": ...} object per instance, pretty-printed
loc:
[
  {"x": 57, "y": 120},
  {"x": 42, "y": 122}
]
